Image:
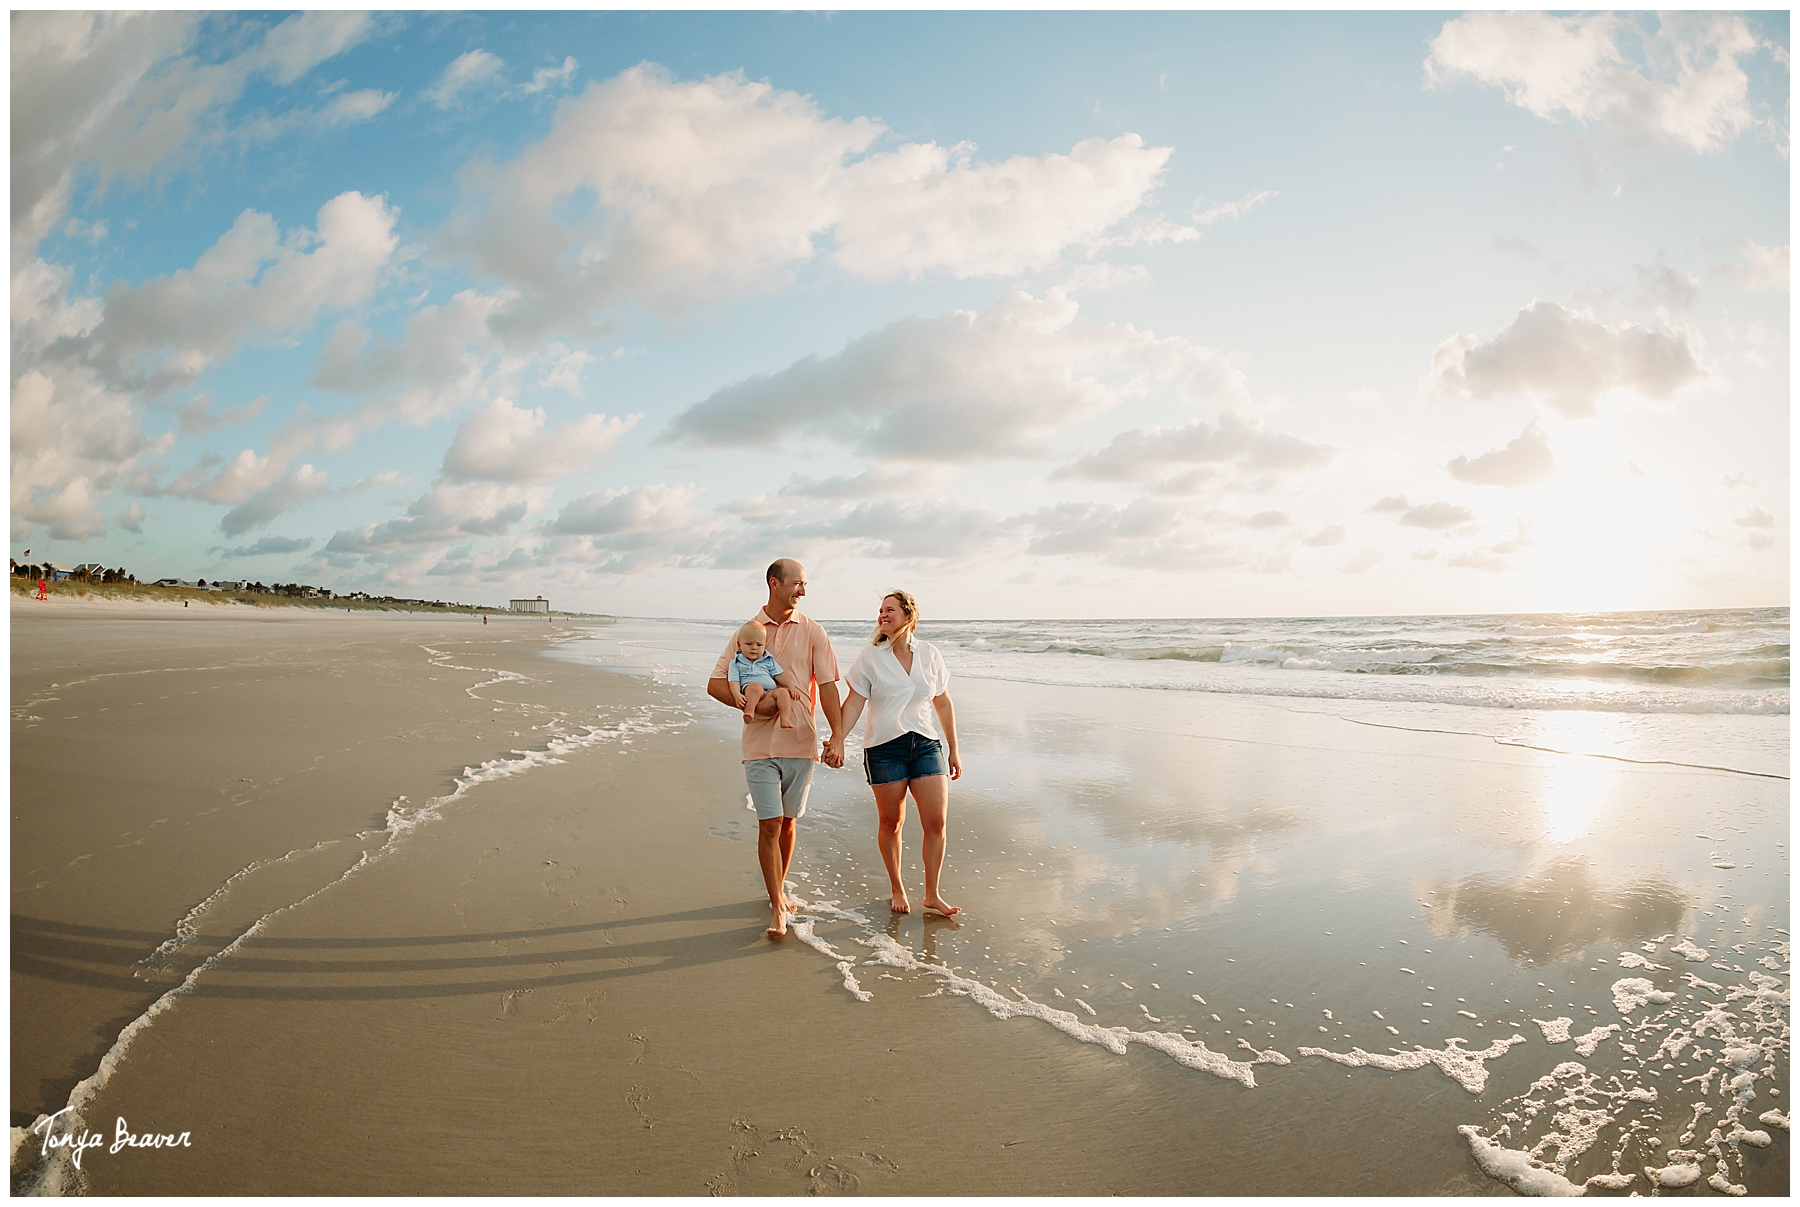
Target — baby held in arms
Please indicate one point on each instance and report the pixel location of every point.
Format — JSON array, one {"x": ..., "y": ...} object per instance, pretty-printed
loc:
[{"x": 753, "y": 673}]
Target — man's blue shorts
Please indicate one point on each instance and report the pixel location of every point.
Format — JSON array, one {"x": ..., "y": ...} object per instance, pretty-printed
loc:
[{"x": 911, "y": 756}]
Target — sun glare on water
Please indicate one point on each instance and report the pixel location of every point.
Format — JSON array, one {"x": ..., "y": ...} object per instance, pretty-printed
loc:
[{"x": 1574, "y": 790}]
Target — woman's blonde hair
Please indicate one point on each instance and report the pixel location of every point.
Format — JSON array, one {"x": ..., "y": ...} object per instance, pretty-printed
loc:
[{"x": 908, "y": 605}]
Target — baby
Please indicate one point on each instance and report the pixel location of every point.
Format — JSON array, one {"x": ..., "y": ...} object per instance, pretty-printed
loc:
[{"x": 753, "y": 674}]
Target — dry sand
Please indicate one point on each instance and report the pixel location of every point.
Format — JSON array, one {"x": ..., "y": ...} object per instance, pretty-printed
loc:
[{"x": 560, "y": 983}]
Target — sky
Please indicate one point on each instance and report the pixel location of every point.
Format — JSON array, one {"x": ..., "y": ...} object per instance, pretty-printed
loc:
[{"x": 1033, "y": 315}]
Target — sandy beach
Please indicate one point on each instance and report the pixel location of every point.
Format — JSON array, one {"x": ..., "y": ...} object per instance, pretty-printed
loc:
[{"x": 405, "y": 905}]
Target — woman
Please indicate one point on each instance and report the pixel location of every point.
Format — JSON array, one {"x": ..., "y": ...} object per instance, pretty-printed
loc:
[{"x": 910, "y": 741}]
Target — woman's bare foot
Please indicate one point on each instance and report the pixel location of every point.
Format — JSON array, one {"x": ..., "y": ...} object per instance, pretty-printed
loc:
[
  {"x": 793, "y": 904},
  {"x": 937, "y": 905},
  {"x": 778, "y": 921},
  {"x": 899, "y": 904}
]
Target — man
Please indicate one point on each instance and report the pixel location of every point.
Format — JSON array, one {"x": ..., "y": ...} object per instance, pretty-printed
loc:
[{"x": 778, "y": 763}]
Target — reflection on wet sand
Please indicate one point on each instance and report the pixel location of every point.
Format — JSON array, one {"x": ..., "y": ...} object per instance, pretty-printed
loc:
[{"x": 1552, "y": 914}]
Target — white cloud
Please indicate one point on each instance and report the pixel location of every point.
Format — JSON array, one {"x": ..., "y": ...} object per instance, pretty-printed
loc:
[
  {"x": 276, "y": 499},
  {"x": 350, "y": 107},
  {"x": 670, "y": 195},
  {"x": 1331, "y": 534},
  {"x": 1736, "y": 479},
  {"x": 197, "y": 419},
  {"x": 504, "y": 443},
  {"x": 305, "y": 40},
  {"x": 1363, "y": 561},
  {"x": 386, "y": 477},
  {"x": 121, "y": 91},
  {"x": 1149, "y": 533},
  {"x": 876, "y": 482},
  {"x": 1761, "y": 268},
  {"x": 250, "y": 284},
  {"x": 267, "y": 545},
  {"x": 551, "y": 77},
  {"x": 74, "y": 437},
  {"x": 654, "y": 508},
  {"x": 1477, "y": 559},
  {"x": 466, "y": 71},
  {"x": 932, "y": 530},
  {"x": 925, "y": 208},
  {"x": 958, "y": 388},
  {"x": 1237, "y": 439},
  {"x": 1525, "y": 459},
  {"x": 1693, "y": 92},
  {"x": 1434, "y": 515},
  {"x": 1092, "y": 278},
  {"x": 437, "y": 365},
  {"x": 71, "y": 512},
  {"x": 1391, "y": 503},
  {"x": 1566, "y": 358},
  {"x": 1755, "y": 517},
  {"x": 449, "y": 511},
  {"x": 1230, "y": 211},
  {"x": 566, "y": 366},
  {"x": 1664, "y": 286},
  {"x": 131, "y": 519}
]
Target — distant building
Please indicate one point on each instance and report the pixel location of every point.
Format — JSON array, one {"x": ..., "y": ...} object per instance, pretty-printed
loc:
[
  {"x": 89, "y": 570},
  {"x": 173, "y": 582},
  {"x": 56, "y": 572},
  {"x": 540, "y": 604}
]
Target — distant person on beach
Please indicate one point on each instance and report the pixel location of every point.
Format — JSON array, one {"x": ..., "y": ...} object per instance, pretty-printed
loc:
[
  {"x": 778, "y": 763},
  {"x": 909, "y": 744},
  {"x": 754, "y": 672}
]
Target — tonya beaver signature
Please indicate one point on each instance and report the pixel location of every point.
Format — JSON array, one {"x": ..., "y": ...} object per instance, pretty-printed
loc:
[{"x": 123, "y": 1137}]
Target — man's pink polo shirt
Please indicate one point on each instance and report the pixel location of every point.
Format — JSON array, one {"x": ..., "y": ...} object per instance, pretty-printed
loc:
[{"x": 804, "y": 651}]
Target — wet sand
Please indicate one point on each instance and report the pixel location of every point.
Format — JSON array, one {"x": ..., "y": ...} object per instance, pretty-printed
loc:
[{"x": 556, "y": 982}]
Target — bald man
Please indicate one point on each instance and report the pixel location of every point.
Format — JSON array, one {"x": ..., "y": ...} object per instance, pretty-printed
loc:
[{"x": 778, "y": 763}]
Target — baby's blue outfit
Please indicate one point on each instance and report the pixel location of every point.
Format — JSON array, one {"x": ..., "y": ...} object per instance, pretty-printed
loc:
[{"x": 744, "y": 672}]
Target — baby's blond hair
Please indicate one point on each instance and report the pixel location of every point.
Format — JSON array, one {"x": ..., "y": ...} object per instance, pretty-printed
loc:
[{"x": 754, "y": 628}]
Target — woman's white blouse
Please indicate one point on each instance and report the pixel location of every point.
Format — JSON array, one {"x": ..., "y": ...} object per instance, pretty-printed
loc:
[{"x": 899, "y": 703}]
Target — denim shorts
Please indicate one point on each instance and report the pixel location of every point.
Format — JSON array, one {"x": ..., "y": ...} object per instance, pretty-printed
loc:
[{"x": 911, "y": 756}]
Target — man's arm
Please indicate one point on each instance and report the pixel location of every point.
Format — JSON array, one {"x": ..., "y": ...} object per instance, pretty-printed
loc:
[
  {"x": 720, "y": 690},
  {"x": 828, "y": 699}
]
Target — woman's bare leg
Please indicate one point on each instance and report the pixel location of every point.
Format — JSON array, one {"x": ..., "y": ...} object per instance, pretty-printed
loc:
[
  {"x": 932, "y": 797},
  {"x": 890, "y": 810}
]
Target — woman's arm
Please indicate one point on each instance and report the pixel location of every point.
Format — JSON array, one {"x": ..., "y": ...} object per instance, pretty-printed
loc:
[
  {"x": 852, "y": 709},
  {"x": 946, "y": 714}
]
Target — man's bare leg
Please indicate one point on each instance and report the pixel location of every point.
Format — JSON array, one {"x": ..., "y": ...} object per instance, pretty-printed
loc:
[
  {"x": 789, "y": 832},
  {"x": 890, "y": 810},
  {"x": 769, "y": 835}
]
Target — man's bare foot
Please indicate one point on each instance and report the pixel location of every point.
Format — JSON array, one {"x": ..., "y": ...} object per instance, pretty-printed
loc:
[
  {"x": 778, "y": 921},
  {"x": 937, "y": 905},
  {"x": 899, "y": 904}
]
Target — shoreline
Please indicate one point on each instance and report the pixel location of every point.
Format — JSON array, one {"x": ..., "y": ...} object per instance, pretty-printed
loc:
[
  {"x": 560, "y": 984},
  {"x": 93, "y": 595}
]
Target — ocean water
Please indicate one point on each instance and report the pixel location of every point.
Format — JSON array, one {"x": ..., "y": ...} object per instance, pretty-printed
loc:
[{"x": 1510, "y": 894}]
